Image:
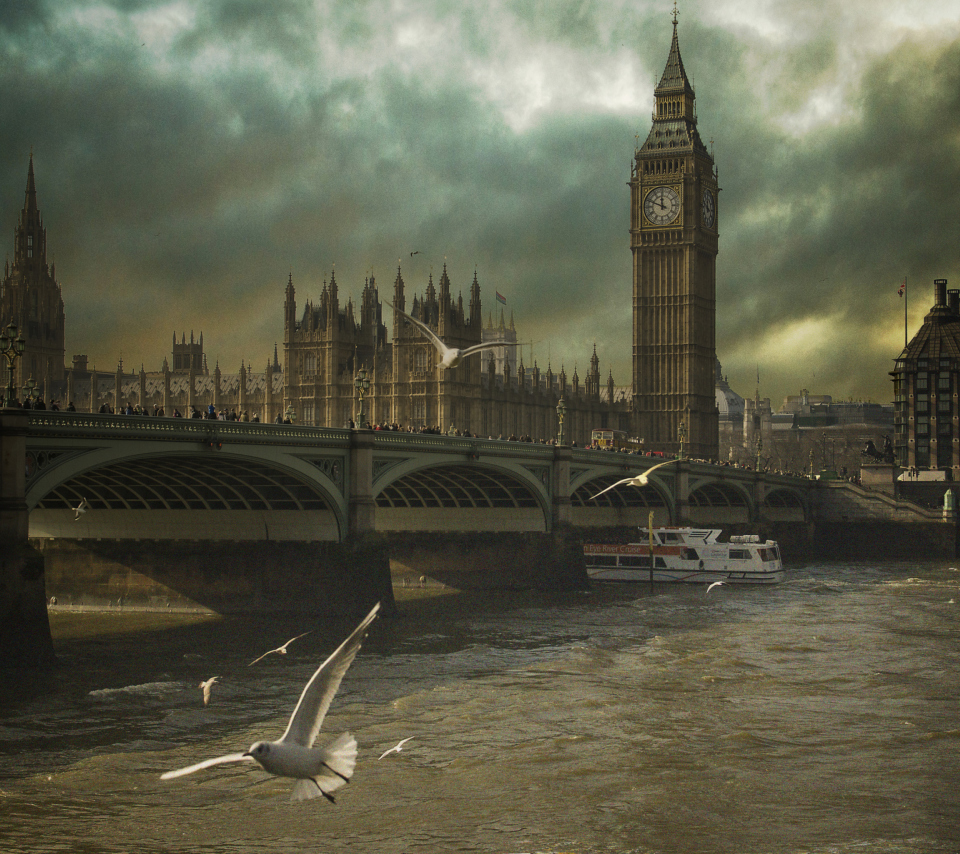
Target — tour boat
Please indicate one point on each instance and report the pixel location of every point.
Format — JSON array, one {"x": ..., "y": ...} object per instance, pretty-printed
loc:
[{"x": 690, "y": 555}]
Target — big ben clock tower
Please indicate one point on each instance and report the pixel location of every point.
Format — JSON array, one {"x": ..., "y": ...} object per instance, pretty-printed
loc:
[{"x": 673, "y": 235}]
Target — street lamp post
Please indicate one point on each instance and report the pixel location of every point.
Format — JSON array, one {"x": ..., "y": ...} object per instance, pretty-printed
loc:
[
  {"x": 561, "y": 412},
  {"x": 12, "y": 346},
  {"x": 759, "y": 449},
  {"x": 31, "y": 391},
  {"x": 682, "y": 435},
  {"x": 362, "y": 384}
]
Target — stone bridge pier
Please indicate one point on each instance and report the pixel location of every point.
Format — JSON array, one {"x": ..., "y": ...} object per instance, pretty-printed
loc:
[{"x": 24, "y": 624}]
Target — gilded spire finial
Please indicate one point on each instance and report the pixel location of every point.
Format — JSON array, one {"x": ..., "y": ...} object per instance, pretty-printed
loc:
[{"x": 675, "y": 13}]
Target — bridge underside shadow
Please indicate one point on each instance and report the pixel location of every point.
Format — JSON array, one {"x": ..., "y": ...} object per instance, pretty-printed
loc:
[
  {"x": 204, "y": 497},
  {"x": 459, "y": 498}
]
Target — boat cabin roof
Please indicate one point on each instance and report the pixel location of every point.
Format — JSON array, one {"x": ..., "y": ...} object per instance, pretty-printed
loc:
[{"x": 668, "y": 535}]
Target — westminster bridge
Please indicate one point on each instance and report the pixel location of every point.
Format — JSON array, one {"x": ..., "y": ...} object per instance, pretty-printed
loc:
[{"x": 223, "y": 514}]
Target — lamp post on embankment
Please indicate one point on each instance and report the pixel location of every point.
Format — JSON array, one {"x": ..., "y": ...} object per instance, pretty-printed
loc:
[{"x": 24, "y": 626}]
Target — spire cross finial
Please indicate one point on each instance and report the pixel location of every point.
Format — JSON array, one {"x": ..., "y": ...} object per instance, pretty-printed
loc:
[{"x": 675, "y": 12}]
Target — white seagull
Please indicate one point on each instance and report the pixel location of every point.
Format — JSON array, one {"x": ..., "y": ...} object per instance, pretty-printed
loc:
[
  {"x": 206, "y": 687},
  {"x": 80, "y": 509},
  {"x": 715, "y": 584},
  {"x": 450, "y": 357},
  {"x": 395, "y": 749},
  {"x": 637, "y": 480},
  {"x": 280, "y": 650},
  {"x": 317, "y": 772}
]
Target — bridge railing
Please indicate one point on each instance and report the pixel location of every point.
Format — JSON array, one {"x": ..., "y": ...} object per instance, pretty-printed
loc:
[{"x": 151, "y": 428}]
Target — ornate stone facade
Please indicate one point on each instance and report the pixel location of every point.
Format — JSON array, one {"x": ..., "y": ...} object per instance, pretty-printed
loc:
[
  {"x": 673, "y": 230},
  {"x": 926, "y": 388},
  {"x": 325, "y": 346},
  {"x": 30, "y": 296}
]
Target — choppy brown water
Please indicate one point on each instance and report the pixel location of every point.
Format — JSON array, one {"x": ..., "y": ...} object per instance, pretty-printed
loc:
[{"x": 821, "y": 715}]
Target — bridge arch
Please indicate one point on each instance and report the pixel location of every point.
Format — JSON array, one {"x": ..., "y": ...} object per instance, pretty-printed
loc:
[
  {"x": 783, "y": 504},
  {"x": 622, "y": 505},
  {"x": 177, "y": 493},
  {"x": 458, "y": 494},
  {"x": 719, "y": 501}
]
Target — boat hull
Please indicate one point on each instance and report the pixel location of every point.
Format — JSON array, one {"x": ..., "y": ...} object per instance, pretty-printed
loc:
[
  {"x": 630, "y": 575},
  {"x": 687, "y": 556}
]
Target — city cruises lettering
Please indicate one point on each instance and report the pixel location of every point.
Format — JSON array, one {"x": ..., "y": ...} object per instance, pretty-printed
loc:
[{"x": 631, "y": 549}]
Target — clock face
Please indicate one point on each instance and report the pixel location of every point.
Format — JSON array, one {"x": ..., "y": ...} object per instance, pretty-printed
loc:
[
  {"x": 709, "y": 209},
  {"x": 661, "y": 205}
]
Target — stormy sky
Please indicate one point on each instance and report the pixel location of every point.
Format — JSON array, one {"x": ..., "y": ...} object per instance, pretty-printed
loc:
[{"x": 190, "y": 156}]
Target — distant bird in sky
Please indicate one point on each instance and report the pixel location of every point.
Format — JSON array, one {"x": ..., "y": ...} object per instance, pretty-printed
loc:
[
  {"x": 80, "y": 509},
  {"x": 636, "y": 480},
  {"x": 715, "y": 584},
  {"x": 206, "y": 687},
  {"x": 395, "y": 749},
  {"x": 417, "y": 252},
  {"x": 450, "y": 357},
  {"x": 317, "y": 772},
  {"x": 280, "y": 650}
]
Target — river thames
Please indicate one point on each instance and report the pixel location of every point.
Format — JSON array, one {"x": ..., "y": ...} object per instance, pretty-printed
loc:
[{"x": 818, "y": 715}]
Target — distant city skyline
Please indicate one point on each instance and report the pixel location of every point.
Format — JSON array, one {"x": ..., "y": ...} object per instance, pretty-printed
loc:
[{"x": 188, "y": 159}]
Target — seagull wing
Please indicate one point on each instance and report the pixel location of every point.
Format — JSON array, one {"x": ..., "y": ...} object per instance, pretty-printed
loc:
[
  {"x": 612, "y": 486},
  {"x": 268, "y": 652},
  {"x": 426, "y": 330},
  {"x": 317, "y": 696},
  {"x": 715, "y": 584},
  {"x": 207, "y": 763},
  {"x": 476, "y": 348},
  {"x": 293, "y": 639},
  {"x": 658, "y": 465}
]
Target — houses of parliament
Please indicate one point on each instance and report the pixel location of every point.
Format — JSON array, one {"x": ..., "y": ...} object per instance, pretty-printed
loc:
[{"x": 327, "y": 342}]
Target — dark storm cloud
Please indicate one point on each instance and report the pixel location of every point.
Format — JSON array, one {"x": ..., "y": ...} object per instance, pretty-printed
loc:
[{"x": 190, "y": 157}]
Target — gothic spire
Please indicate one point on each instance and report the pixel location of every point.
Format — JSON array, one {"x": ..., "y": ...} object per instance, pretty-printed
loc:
[{"x": 674, "y": 75}]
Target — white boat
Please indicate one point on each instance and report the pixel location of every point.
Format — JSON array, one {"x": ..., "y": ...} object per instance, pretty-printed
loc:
[{"x": 690, "y": 555}]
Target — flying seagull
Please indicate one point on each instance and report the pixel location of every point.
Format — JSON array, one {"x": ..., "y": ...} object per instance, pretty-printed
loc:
[
  {"x": 450, "y": 357},
  {"x": 206, "y": 687},
  {"x": 637, "y": 480},
  {"x": 317, "y": 772},
  {"x": 280, "y": 650},
  {"x": 396, "y": 749},
  {"x": 81, "y": 508},
  {"x": 715, "y": 584}
]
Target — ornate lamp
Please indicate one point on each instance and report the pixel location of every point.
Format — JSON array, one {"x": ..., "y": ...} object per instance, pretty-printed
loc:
[
  {"x": 31, "y": 391},
  {"x": 681, "y": 435},
  {"x": 759, "y": 449},
  {"x": 290, "y": 413},
  {"x": 12, "y": 346},
  {"x": 362, "y": 384},
  {"x": 561, "y": 412}
]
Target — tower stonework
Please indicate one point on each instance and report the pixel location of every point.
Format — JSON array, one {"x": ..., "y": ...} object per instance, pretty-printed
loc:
[
  {"x": 673, "y": 231},
  {"x": 30, "y": 296}
]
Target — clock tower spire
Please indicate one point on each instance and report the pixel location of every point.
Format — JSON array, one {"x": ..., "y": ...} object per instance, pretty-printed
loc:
[{"x": 673, "y": 237}]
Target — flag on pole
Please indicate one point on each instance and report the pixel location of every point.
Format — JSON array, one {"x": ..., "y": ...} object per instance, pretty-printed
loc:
[
  {"x": 501, "y": 298},
  {"x": 903, "y": 287}
]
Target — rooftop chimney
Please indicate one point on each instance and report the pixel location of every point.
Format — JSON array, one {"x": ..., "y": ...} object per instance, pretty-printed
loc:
[
  {"x": 953, "y": 301},
  {"x": 940, "y": 291}
]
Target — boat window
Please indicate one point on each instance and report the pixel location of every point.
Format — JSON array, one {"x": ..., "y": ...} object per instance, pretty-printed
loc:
[
  {"x": 669, "y": 537},
  {"x": 686, "y": 553},
  {"x": 603, "y": 560},
  {"x": 768, "y": 554},
  {"x": 659, "y": 563},
  {"x": 739, "y": 554},
  {"x": 634, "y": 560}
]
